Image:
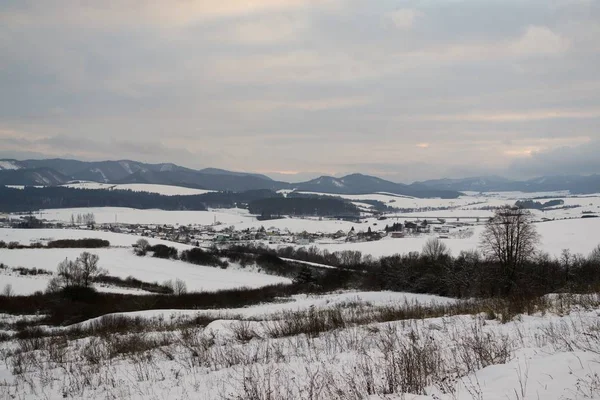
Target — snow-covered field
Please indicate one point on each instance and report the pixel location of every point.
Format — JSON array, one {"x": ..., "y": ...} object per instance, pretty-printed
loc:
[
  {"x": 472, "y": 206},
  {"x": 166, "y": 190},
  {"x": 260, "y": 352},
  {"x": 119, "y": 260},
  {"x": 580, "y": 236},
  {"x": 238, "y": 218},
  {"x": 109, "y": 215},
  {"x": 124, "y": 263},
  {"x": 29, "y": 236}
]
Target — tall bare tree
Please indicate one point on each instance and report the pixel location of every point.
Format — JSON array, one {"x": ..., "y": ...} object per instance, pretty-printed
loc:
[
  {"x": 510, "y": 238},
  {"x": 434, "y": 249},
  {"x": 88, "y": 267}
]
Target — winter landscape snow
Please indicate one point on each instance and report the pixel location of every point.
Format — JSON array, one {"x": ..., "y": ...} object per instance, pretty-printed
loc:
[{"x": 240, "y": 327}]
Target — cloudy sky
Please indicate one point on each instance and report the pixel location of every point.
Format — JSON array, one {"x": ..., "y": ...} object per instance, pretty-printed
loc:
[{"x": 405, "y": 90}]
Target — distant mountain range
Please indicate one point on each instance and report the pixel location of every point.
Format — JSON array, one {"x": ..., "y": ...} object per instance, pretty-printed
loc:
[
  {"x": 364, "y": 184},
  {"x": 54, "y": 172},
  {"x": 577, "y": 184},
  {"x": 59, "y": 171}
]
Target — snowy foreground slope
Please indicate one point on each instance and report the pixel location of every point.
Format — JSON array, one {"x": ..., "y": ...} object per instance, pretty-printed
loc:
[{"x": 552, "y": 354}]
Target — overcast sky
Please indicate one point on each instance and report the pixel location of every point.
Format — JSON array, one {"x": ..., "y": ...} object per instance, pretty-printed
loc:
[{"x": 405, "y": 90}]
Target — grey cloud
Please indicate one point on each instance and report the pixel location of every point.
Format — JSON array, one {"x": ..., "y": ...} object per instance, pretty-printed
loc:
[
  {"x": 286, "y": 87},
  {"x": 91, "y": 149},
  {"x": 582, "y": 159}
]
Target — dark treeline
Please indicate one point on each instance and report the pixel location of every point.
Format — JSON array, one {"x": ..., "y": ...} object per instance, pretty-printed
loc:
[
  {"x": 267, "y": 261},
  {"x": 377, "y": 205},
  {"x": 133, "y": 283},
  {"x": 69, "y": 307},
  {"x": 78, "y": 244},
  {"x": 31, "y": 199},
  {"x": 536, "y": 205},
  {"x": 239, "y": 199},
  {"x": 348, "y": 259},
  {"x": 467, "y": 275},
  {"x": 59, "y": 244},
  {"x": 318, "y": 206},
  {"x": 471, "y": 275},
  {"x": 259, "y": 201}
]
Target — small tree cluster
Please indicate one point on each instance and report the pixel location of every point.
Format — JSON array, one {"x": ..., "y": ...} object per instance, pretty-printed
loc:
[
  {"x": 85, "y": 219},
  {"x": 78, "y": 273},
  {"x": 178, "y": 287},
  {"x": 141, "y": 247}
]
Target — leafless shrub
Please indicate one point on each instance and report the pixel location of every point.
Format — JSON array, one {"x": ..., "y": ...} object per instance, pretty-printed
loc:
[
  {"x": 141, "y": 247},
  {"x": 262, "y": 383},
  {"x": 480, "y": 349},
  {"x": 57, "y": 348},
  {"x": 410, "y": 362},
  {"x": 94, "y": 352},
  {"x": 243, "y": 332},
  {"x": 131, "y": 344}
]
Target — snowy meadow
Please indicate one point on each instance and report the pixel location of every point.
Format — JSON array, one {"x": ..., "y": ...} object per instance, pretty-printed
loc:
[{"x": 300, "y": 311}]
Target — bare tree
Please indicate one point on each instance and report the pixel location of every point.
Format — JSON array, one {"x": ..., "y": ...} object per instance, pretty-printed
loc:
[
  {"x": 68, "y": 273},
  {"x": 179, "y": 287},
  {"x": 78, "y": 273},
  {"x": 510, "y": 238},
  {"x": 350, "y": 257},
  {"x": 434, "y": 249},
  {"x": 8, "y": 290},
  {"x": 88, "y": 267}
]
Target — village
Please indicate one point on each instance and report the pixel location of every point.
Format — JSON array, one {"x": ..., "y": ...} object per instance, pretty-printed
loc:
[{"x": 219, "y": 233}]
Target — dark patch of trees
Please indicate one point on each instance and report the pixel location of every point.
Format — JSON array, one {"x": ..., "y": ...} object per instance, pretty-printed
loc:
[
  {"x": 472, "y": 275},
  {"x": 201, "y": 257},
  {"x": 303, "y": 206},
  {"x": 379, "y": 206},
  {"x": 29, "y": 222},
  {"x": 87, "y": 243},
  {"x": 236, "y": 199},
  {"x": 66, "y": 310},
  {"x": 133, "y": 283},
  {"x": 536, "y": 205},
  {"x": 435, "y": 271},
  {"x": 347, "y": 259},
  {"x": 395, "y": 227},
  {"x": 32, "y": 198},
  {"x": 164, "y": 251}
]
